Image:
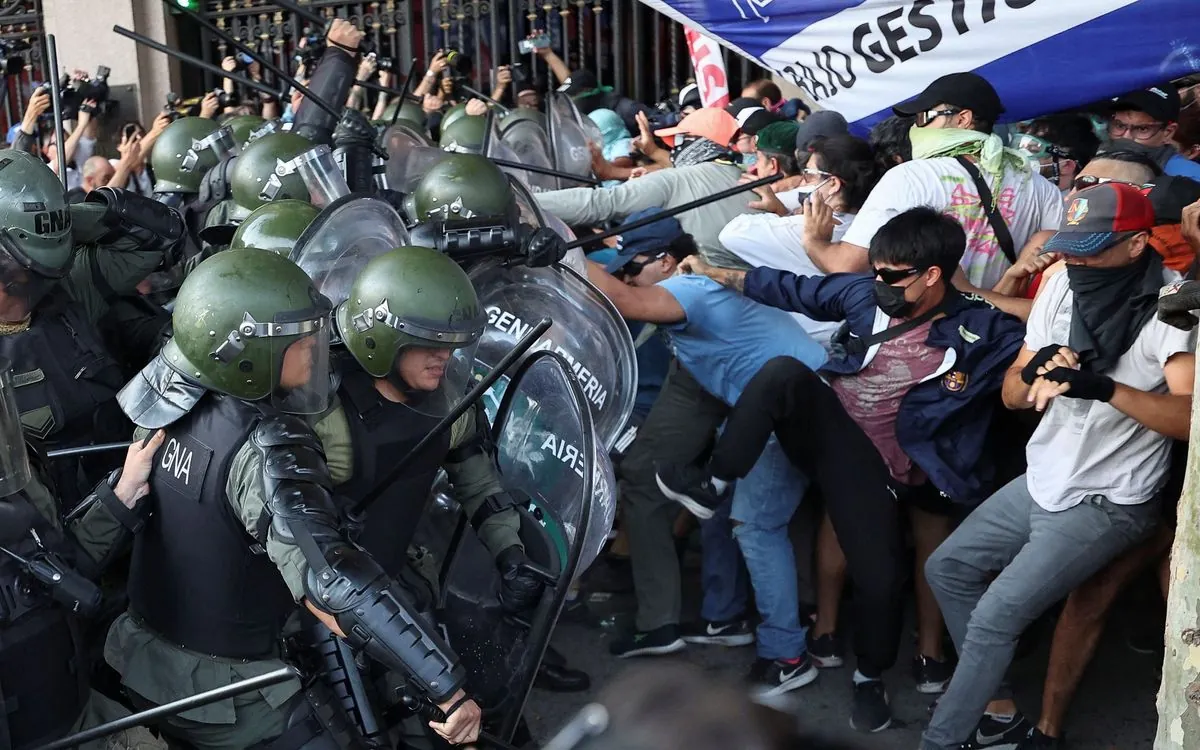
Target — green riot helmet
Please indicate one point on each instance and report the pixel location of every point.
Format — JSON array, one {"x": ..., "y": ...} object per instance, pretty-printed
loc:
[
  {"x": 452, "y": 114},
  {"x": 522, "y": 113},
  {"x": 242, "y": 126},
  {"x": 274, "y": 227},
  {"x": 251, "y": 324},
  {"x": 465, "y": 135},
  {"x": 263, "y": 172},
  {"x": 410, "y": 112},
  {"x": 185, "y": 151},
  {"x": 463, "y": 186},
  {"x": 35, "y": 233},
  {"x": 413, "y": 297}
]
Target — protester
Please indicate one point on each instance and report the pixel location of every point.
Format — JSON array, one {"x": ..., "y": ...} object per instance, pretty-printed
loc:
[
  {"x": 1062, "y": 146},
  {"x": 751, "y": 118},
  {"x": 823, "y": 124},
  {"x": 1114, "y": 385},
  {"x": 917, "y": 342},
  {"x": 765, "y": 92},
  {"x": 890, "y": 140},
  {"x": 1151, "y": 118}
]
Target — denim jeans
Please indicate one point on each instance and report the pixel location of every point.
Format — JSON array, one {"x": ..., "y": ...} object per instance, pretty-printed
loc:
[
  {"x": 763, "y": 504},
  {"x": 722, "y": 571}
]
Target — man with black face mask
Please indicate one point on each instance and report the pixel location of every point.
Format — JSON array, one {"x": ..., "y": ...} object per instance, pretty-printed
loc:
[
  {"x": 900, "y": 411},
  {"x": 1115, "y": 387}
]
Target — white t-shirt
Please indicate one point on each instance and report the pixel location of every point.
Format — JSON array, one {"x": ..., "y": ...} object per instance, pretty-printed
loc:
[
  {"x": 778, "y": 242},
  {"x": 1083, "y": 448},
  {"x": 1028, "y": 202}
]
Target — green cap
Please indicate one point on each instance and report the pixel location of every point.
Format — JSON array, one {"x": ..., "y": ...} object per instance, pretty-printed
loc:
[{"x": 778, "y": 138}]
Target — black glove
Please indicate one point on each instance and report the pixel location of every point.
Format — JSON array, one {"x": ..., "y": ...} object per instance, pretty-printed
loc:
[
  {"x": 543, "y": 247},
  {"x": 520, "y": 588},
  {"x": 1177, "y": 301},
  {"x": 1086, "y": 385},
  {"x": 1029, "y": 373}
]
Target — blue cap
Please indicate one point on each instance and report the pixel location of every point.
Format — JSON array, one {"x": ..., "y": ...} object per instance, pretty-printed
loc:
[
  {"x": 653, "y": 238},
  {"x": 12, "y": 134}
]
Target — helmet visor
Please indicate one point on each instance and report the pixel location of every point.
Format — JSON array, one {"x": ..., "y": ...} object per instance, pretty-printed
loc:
[
  {"x": 21, "y": 288},
  {"x": 302, "y": 367},
  {"x": 434, "y": 378}
]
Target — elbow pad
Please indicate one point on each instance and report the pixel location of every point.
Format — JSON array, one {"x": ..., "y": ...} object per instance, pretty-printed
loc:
[
  {"x": 331, "y": 82},
  {"x": 378, "y": 616},
  {"x": 155, "y": 226}
]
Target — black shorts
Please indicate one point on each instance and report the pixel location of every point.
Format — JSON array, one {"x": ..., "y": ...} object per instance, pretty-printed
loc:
[{"x": 928, "y": 498}]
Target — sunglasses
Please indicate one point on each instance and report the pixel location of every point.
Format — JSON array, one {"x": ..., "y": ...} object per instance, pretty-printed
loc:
[
  {"x": 890, "y": 276},
  {"x": 929, "y": 115},
  {"x": 634, "y": 267},
  {"x": 1084, "y": 181}
]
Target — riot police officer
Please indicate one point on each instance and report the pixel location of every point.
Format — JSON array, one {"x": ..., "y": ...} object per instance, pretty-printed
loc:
[
  {"x": 244, "y": 526},
  {"x": 275, "y": 226},
  {"x": 60, "y": 268},
  {"x": 257, "y": 177},
  {"x": 464, "y": 135}
]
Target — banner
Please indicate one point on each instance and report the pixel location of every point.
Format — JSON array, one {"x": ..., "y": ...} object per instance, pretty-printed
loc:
[
  {"x": 710, "y": 69},
  {"x": 859, "y": 57}
]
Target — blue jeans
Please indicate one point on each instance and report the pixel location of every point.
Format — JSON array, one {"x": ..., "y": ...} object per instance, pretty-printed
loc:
[
  {"x": 763, "y": 504},
  {"x": 722, "y": 571}
]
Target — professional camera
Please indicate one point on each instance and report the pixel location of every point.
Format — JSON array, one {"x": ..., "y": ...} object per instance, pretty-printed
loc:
[
  {"x": 11, "y": 63},
  {"x": 459, "y": 64},
  {"x": 385, "y": 63},
  {"x": 74, "y": 93},
  {"x": 173, "y": 106}
]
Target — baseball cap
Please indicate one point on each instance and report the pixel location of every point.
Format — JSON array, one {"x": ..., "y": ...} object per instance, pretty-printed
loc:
[
  {"x": 716, "y": 125},
  {"x": 579, "y": 82},
  {"x": 1160, "y": 102},
  {"x": 750, "y": 114},
  {"x": 655, "y": 237},
  {"x": 821, "y": 124},
  {"x": 1099, "y": 217},
  {"x": 778, "y": 138},
  {"x": 689, "y": 96},
  {"x": 967, "y": 90}
]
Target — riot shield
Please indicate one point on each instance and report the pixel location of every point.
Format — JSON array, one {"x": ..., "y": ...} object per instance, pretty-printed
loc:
[
  {"x": 401, "y": 138},
  {"x": 568, "y": 139},
  {"x": 531, "y": 145},
  {"x": 406, "y": 168},
  {"x": 338, "y": 243},
  {"x": 550, "y": 458},
  {"x": 587, "y": 331}
]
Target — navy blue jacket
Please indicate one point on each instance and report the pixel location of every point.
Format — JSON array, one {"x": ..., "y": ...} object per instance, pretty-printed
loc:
[{"x": 944, "y": 420}]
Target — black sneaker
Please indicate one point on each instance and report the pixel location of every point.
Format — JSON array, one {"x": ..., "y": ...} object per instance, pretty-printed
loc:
[
  {"x": 727, "y": 633},
  {"x": 932, "y": 676},
  {"x": 999, "y": 735},
  {"x": 871, "y": 710},
  {"x": 771, "y": 677},
  {"x": 657, "y": 642},
  {"x": 691, "y": 487},
  {"x": 1035, "y": 740},
  {"x": 827, "y": 651}
]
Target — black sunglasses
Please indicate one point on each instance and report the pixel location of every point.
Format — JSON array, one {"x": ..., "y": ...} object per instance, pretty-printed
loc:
[
  {"x": 890, "y": 276},
  {"x": 634, "y": 267}
]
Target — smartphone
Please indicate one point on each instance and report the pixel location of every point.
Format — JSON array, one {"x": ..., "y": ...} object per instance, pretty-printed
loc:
[
  {"x": 244, "y": 59},
  {"x": 129, "y": 130},
  {"x": 527, "y": 46}
]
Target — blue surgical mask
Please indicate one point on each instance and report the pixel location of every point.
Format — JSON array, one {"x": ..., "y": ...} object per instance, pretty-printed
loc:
[{"x": 749, "y": 160}]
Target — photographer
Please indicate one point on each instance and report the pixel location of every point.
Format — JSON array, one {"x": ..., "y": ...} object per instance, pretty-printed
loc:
[
  {"x": 366, "y": 68},
  {"x": 332, "y": 80},
  {"x": 268, "y": 104}
]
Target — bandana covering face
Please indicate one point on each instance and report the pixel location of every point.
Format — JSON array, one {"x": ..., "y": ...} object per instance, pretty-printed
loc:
[
  {"x": 988, "y": 148},
  {"x": 698, "y": 151}
]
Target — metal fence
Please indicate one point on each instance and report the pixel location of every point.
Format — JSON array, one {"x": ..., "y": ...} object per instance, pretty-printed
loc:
[
  {"x": 631, "y": 47},
  {"x": 22, "y": 56}
]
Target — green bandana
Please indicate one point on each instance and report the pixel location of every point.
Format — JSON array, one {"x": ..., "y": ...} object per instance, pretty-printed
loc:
[{"x": 988, "y": 149}]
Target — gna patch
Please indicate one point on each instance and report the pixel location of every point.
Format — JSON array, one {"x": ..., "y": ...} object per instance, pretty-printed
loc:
[
  {"x": 955, "y": 381},
  {"x": 181, "y": 465}
]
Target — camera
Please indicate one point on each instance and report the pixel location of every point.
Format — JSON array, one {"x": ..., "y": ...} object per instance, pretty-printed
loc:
[
  {"x": 459, "y": 63},
  {"x": 171, "y": 108},
  {"x": 74, "y": 93},
  {"x": 10, "y": 62},
  {"x": 385, "y": 63},
  {"x": 226, "y": 99},
  {"x": 243, "y": 61},
  {"x": 528, "y": 46}
]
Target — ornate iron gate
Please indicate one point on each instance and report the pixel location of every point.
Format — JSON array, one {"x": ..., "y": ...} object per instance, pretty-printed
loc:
[
  {"x": 628, "y": 45},
  {"x": 22, "y": 56}
]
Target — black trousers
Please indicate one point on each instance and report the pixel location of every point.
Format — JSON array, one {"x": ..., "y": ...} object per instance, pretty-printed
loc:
[{"x": 788, "y": 399}]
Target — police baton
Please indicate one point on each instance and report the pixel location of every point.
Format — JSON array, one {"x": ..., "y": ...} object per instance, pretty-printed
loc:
[
  {"x": 668, "y": 213},
  {"x": 56, "y": 97},
  {"x": 175, "y": 707},
  {"x": 254, "y": 55},
  {"x": 432, "y": 713},
  {"x": 543, "y": 170},
  {"x": 405, "y": 92},
  {"x": 508, "y": 360}
]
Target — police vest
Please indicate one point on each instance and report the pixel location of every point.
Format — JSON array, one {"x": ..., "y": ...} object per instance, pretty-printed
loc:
[
  {"x": 43, "y": 673},
  {"x": 197, "y": 577},
  {"x": 381, "y": 433}
]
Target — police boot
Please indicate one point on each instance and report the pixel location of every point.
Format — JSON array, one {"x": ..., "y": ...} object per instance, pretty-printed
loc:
[{"x": 554, "y": 675}]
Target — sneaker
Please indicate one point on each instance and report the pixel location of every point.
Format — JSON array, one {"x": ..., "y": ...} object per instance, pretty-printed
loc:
[
  {"x": 726, "y": 633},
  {"x": 772, "y": 677},
  {"x": 1035, "y": 740},
  {"x": 827, "y": 651},
  {"x": 657, "y": 642},
  {"x": 998, "y": 734},
  {"x": 872, "y": 712},
  {"x": 932, "y": 676},
  {"x": 691, "y": 487}
]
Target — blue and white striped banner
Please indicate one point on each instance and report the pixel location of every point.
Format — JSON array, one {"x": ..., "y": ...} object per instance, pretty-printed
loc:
[{"x": 859, "y": 57}]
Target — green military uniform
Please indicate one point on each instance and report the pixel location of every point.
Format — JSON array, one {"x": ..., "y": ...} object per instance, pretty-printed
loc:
[{"x": 216, "y": 507}]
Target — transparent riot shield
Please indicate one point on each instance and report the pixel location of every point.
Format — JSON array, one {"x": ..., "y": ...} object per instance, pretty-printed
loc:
[
  {"x": 407, "y": 167},
  {"x": 568, "y": 139},
  {"x": 588, "y": 332},
  {"x": 531, "y": 145},
  {"x": 551, "y": 461},
  {"x": 338, "y": 243}
]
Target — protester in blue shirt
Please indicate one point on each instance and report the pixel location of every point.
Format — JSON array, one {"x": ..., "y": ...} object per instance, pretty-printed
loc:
[{"x": 720, "y": 340}]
